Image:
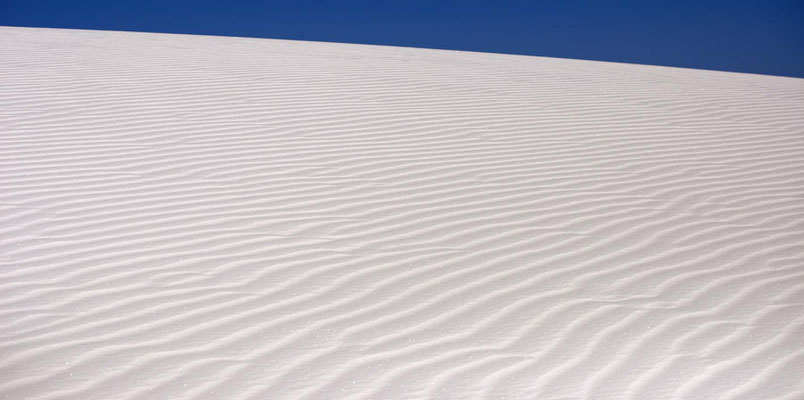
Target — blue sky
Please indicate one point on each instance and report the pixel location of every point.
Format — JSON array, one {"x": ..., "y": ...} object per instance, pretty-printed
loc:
[{"x": 765, "y": 37}]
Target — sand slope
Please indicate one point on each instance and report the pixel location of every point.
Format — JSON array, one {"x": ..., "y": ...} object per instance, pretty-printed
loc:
[{"x": 223, "y": 218}]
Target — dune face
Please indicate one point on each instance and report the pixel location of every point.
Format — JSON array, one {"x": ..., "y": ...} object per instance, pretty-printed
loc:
[{"x": 225, "y": 218}]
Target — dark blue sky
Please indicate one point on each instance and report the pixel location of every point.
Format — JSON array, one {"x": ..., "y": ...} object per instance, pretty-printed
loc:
[{"x": 765, "y": 37}]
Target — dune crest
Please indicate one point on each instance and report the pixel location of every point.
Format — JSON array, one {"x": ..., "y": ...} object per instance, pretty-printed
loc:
[{"x": 206, "y": 217}]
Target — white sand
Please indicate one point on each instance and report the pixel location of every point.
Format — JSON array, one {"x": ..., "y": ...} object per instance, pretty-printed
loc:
[{"x": 223, "y": 218}]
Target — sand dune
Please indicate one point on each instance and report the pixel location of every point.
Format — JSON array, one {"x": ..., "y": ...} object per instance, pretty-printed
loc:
[{"x": 226, "y": 218}]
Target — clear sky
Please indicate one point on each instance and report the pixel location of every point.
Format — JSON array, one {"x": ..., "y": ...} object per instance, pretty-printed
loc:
[{"x": 765, "y": 37}]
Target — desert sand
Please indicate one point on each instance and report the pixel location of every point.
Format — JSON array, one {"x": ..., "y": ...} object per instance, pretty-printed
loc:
[{"x": 193, "y": 217}]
